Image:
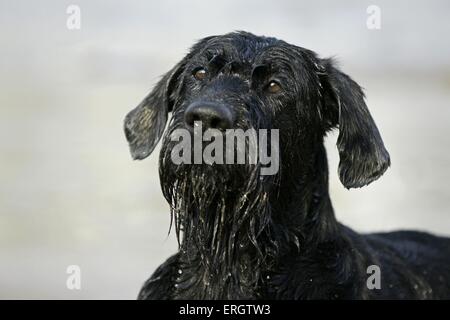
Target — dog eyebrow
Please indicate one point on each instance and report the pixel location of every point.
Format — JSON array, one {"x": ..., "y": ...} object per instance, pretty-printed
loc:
[
  {"x": 217, "y": 61},
  {"x": 261, "y": 70}
]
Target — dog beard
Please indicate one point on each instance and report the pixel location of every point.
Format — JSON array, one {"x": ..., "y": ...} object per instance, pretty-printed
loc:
[{"x": 221, "y": 216}]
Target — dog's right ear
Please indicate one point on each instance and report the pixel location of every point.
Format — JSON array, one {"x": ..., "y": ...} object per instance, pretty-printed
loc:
[{"x": 144, "y": 125}]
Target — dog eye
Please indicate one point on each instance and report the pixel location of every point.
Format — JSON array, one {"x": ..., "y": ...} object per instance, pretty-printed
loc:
[
  {"x": 273, "y": 87},
  {"x": 199, "y": 74}
]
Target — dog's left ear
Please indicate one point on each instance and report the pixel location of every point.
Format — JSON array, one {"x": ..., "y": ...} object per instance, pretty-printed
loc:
[
  {"x": 145, "y": 124},
  {"x": 363, "y": 157}
]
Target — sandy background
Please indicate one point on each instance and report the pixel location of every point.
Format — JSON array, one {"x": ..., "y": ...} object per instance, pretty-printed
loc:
[{"x": 69, "y": 191}]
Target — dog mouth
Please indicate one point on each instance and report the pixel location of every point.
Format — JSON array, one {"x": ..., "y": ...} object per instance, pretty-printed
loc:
[{"x": 221, "y": 152}]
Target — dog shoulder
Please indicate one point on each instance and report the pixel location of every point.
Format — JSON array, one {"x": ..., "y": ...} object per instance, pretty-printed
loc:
[
  {"x": 414, "y": 264},
  {"x": 413, "y": 241},
  {"x": 160, "y": 285}
]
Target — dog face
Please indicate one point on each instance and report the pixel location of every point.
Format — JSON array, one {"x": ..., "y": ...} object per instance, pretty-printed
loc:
[{"x": 244, "y": 81}]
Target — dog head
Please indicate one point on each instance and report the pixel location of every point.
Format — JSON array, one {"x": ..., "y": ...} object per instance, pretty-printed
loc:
[{"x": 239, "y": 80}]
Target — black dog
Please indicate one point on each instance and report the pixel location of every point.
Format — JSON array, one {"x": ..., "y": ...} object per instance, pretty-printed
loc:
[{"x": 247, "y": 236}]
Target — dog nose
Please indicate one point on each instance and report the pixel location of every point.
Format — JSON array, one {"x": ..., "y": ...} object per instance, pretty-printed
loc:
[{"x": 212, "y": 115}]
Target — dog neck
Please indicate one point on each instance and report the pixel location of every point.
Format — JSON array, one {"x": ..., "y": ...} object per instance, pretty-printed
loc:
[
  {"x": 302, "y": 203},
  {"x": 237, "y": 261}
]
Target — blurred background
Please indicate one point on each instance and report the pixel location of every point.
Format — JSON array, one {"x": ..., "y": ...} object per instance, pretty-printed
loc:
[{"x": 70, "y": 193}]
